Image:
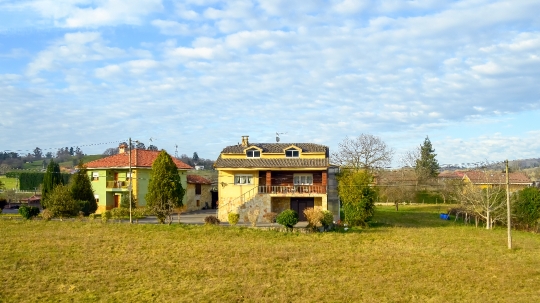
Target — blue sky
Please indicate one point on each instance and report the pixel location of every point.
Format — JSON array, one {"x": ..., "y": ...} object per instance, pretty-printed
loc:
[{"x": 201, "y": 73}]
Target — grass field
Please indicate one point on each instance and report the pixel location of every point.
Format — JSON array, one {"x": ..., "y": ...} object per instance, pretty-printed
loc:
[
  {"x": 9, "y": 183},
  {"x": 407, "y": 256}
]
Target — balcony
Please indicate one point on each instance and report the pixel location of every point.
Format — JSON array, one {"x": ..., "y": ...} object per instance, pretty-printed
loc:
[
  {"x": 117, "y": 184},
  {"x": 292, "y": 189}
]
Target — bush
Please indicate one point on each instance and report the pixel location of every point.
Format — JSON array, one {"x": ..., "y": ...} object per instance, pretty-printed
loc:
[
  {"x": 233, "y": 218},
  {"x": 92, "y": 216},
  {"x": 253, "y": 216},
  {"x": 61, "y": 203},
  {"x": 3, "y": 203},
  {"x": 211, "y": 220},
  {"x": 86, "y": 207},
  {"x": 119, "y": 213},
  {"x": 28, "y": 212},
  {"x": 270, "y": 217},
  {"x": 287, "y": 218},
  {"x": 106, "y": 216},
  {"x": 526, "y": 208},
  {"x": 328, "y": 218},
  {"x": 314, "y": 217},
  {"x": 47, "y": 214},
  {"x": 138, "y": 213}
]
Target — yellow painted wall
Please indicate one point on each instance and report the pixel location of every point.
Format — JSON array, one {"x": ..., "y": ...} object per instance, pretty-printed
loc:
[
  {"x": 275, "y": 156},
  {"x": 230, "y": 190}
]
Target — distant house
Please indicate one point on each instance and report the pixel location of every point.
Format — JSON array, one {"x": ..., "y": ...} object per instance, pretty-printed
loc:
[
  {"x": 272, "y": 177},
  {"x": 110, "y": 176},
  {"x": 198, "y": 193},
  {"x": 485, "y": 179}
]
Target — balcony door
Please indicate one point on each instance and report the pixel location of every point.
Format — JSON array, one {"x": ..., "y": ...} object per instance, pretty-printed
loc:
[
  {"x": 299, "y": 204},
  {"x": 116, "y": 201}
]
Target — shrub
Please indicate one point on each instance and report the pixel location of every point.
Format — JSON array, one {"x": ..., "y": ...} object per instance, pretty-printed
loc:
[
  {"x": 287, "y": 218},
  {"x": 233, "y": 218},
  {"x": 526, "y": 208},
  {"x": 211, "y": 220},
  {"x": 87, "y": 207},
  {"x": 328, "y": 218},
  {"x": 61, "y": 203},
  {"x": 138, "y": 213},
  {"x": 119, "y": 213},
  {"x": 92, "y": 216},
  {"x": 28, "y": 212},
  {"x": 106, "y": 216},
  {"x": 253, "y": 216},
  {"x": 314, "y": 217},
  {"x": 270, "y": 217},
  {"x": 47, "y": 214},
  {"x": 3, "y": 203}
]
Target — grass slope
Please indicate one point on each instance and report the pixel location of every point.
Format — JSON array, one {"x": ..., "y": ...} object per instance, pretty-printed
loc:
[{"x": 409, "y": 256}]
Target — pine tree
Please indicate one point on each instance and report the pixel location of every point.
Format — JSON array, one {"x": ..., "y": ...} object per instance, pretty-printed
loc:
[
  {"x": 51, "y": 179},
  {"x": 81, "y": 190},
  {"x": 165, "y": 191},
  {"x": 195, "y": 158},
  {"x": 427, "y": 166}
]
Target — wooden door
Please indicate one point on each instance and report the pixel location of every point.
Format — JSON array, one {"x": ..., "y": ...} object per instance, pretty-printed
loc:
[
  {"x": 116, "y": 201},
  {"x": 299, "y": 204}
]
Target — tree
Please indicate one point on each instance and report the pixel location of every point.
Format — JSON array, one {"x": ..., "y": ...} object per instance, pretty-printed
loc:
[
  {"x": 49, "y": 155},
  {"x": 38, "y": 153},
  {"x": 111, "y": 151},
  {"x": 152, "y": 147},
  {"x": 124, "y": 203},
  {"x": 487, "y": 203},
  {"x": 140, "y": 145},
  {"x": 364, "y": 152},
  {"x": 165, "y": 191},
  {"x": 427, "y": 166},
  {"x": 81, "y": 190},
  {"x": 526, "y": 207},
  {"x": 61, "y": 203},
  {"x": 357, "y": 196},
  {"x": 195, "y": 158},
  {"x": 51, "y": 179}
]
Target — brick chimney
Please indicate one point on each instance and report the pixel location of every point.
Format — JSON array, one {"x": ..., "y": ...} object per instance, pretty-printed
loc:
[
  {"x": 245, "y": 141},
  {"x": 122, "y": 148}
]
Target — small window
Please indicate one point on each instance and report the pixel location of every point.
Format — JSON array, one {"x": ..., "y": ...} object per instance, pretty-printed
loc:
[
  {"x": 303, "y": 179},
  {"x": 128, "y": 176},
  {"x": 243, "y": 179},
  {"x": 292, "y": 153},
  {"x": 197, "y": 189},
  {"x": 95, "y": 176},
  {"x": 253, "y": 153}
]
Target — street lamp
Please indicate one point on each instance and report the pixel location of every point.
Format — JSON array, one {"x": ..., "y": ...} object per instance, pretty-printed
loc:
[{"x": 130, "y": 186}]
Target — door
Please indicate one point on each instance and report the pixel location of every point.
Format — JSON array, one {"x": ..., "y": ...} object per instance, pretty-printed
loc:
[
  {"x": 299, "y": 204},
  {"x": 116, "y": 201}
]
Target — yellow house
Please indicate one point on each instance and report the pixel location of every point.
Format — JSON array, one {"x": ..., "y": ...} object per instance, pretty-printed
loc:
[
  {"x": 272, "y": 177},
  {"x": 487, "y": 179}
]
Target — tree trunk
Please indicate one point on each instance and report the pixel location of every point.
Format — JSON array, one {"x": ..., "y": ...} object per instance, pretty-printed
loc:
[{"x": 488, "y": 220}]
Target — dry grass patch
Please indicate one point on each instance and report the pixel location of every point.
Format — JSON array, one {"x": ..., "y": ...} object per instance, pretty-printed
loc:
[{"x": 94, "y": 262}]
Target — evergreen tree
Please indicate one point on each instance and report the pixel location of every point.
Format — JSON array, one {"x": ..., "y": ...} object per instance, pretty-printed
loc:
[
  {"x": 51, "y": 179},
  {"x": 81, "y": 190},
  {"x": 165, "y": 191},
  {"x": 195, "y": 158},
  {"x": 357, "y": 196},
  {"x": 427, "y": 166}
]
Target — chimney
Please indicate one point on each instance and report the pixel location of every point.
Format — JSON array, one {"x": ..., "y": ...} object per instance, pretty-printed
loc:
[
  {"x": 245, "y": 141},
  {"x": 122, "y": 148}
]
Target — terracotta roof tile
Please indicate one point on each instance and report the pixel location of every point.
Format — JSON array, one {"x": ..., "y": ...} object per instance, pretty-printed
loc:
[
  {"x": 139, "y": 158},
  {"x": 196, "y": 179},
  {"x": 479, "y": 177}
]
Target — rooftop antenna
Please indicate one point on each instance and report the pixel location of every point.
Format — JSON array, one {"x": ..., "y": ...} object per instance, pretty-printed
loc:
[
  {"x": 176, "y": 151},
  {"x": 277, "y": 136}
]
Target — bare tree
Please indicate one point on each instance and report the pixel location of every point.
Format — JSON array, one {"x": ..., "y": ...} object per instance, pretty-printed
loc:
[
  {"x": 364, "y": 152},
  {"x": 487, "y": 203},
  {"x": 111, "y": 151}
]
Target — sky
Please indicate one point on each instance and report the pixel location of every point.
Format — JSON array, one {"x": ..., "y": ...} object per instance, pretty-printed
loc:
[{"x": 196, "y": 75}]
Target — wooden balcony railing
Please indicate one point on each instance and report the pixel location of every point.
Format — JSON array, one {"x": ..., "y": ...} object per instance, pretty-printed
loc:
[
  {"x": 292, "y": 189},
  {"x": 117, "y": 184}
]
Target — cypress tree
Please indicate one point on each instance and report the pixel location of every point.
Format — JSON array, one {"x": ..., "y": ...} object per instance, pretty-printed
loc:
[
  {"x": 81, "y": 190},
  {"x": 165, "y": 191},
  {"x": 427, "y": 167},
  {"x": 51, "y": 179}
]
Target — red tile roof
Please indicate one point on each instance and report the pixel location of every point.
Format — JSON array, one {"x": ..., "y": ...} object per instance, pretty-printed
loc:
[
  {"x": 139, "y": 158},
  {"x": 480, "y": 177},
  {"x": 196, "y": 179}
]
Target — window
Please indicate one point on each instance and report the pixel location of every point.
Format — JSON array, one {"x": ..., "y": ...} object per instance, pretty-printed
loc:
[
  {"x": 128, "y": 176},
  {"x": 198, "y": 203},
  {"x": 243, "y": 179},
  {"x": 292, "y": 153},
  {"x": 97, "y": 199},
  {"x": 253, "y": 153},
  {"x": 197, "y": 189},
  {"x": 303, "y": 179},
  {"x": 95, "y": 176}
]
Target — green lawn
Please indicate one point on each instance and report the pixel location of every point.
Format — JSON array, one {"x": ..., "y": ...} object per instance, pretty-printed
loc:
[
  {"x": 9, "y": 183},
  {"x": 407, "y": 256}
]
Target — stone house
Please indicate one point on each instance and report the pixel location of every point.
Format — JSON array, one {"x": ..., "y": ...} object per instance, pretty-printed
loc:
[
  {"x": 272, "y": 177},
  {"x": 198, "y": 193}
]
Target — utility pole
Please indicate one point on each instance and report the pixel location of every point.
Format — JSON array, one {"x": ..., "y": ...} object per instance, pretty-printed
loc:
[
  {"x": 509, "y": 223},
  {"x": 130, "y": 182}
]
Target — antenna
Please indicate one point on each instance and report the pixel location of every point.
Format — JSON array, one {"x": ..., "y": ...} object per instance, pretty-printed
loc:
[
  {"x": 277, "y": 136},
  {"x": 176, "y": 151}
]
